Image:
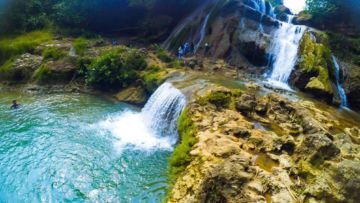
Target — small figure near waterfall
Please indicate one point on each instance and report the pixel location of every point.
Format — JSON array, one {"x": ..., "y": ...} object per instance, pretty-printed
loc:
[
  {"x": 15, "y": 105},
  {"x": 207, "y": 49},
  {"x": 180, "y": 52}
]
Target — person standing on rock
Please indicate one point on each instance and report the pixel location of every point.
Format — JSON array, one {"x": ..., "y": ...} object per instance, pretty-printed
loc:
[{"x": 207, "y": 49}]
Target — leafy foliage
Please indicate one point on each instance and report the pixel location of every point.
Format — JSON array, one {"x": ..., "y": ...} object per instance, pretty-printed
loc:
[
  {"x": 53, "y": 53},
  {"x": 18, "y": 16},
  {"x": 115, "y": 69}
]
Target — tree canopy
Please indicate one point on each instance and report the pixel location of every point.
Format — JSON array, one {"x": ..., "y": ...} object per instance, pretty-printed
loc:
[{"x": 94, "y": 15}]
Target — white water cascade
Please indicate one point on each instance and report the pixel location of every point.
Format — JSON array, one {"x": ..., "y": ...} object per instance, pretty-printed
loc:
[
  {"x": 202, "y": 32},
  {"x": 284, "y": 48},
  {"x": 154, "y": 126},
  {"x": 340, "y": 89}
]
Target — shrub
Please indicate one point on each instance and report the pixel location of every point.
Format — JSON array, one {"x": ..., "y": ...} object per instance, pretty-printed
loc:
[
  {"x": 80, "y": 44},
  {"x": 135, "y": 60},
  {"x": 110, "y": 71},
  {"x": 13, "y": 46},
  {"x": 181, "y": 157},
  {"x": 219, "y": 99},
  {"x": 53, "y": 53},
  {"x": 163, "y": 55}
]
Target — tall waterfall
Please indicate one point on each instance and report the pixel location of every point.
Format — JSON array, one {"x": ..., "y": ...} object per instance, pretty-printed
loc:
[
  {"x": 154, "y": 126},
  {"x": 284, "y": 48},
  {"x": 202, "y": 32},
  {"x": 339, "y": 87}
]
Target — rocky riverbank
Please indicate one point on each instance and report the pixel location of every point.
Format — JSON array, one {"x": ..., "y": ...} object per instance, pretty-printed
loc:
[{"x": 251, "y": 147}]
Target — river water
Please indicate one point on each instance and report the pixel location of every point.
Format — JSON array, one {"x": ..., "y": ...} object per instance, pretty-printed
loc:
[{"x": 67, "y": 148}]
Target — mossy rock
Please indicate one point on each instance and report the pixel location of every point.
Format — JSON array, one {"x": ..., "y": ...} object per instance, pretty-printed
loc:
[
  {"x": 315, "y": 66},
  {"x": 54, "y": 72}
]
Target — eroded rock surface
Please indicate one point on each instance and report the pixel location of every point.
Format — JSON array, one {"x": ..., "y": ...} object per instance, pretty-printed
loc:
[{"x": 255, "y": 148}]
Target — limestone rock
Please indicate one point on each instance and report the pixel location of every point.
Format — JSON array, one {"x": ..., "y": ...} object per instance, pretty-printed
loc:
[
  {"x": 318, "y": 88},
  {"x": 132, "y": 95}
]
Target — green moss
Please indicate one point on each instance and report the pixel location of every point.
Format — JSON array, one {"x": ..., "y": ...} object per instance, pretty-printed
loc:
[
  {"x": 80, "y": 45},
  {"x": 12, "y": 46},
  {"x": 153, "y": 78},
  {"x": 316, "y": 59},
  {"x": 53, "y": 53},
  {"x": 220, "y": 99},
  {"x": 181, "y": 157}
]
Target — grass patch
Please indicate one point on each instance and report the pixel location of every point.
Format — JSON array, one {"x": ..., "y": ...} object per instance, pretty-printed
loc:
[
  {"x": 80, "y": 45},
  {"x": 181, "y": 158},
  {"x": 42, "y": 74},
  {"x": 12, "y": 46},
  {"x": 53, "y": 53}
]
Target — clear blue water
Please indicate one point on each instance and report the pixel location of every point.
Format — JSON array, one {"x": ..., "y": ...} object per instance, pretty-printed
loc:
[{"x": 55, "y": 149}]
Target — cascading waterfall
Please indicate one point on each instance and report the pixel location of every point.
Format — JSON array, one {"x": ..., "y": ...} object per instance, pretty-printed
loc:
[
  {"x": 202, "y": 32},
  {"x": 260, "y": 5},
  {"x": 339, "y": 87},
  {"x": 284, "y": 48},
  {"x": 154, "y": 126},
  {"x": 163, "y": 109}
]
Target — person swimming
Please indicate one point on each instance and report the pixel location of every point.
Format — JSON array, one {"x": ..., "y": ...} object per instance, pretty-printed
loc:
[{"x": 15, "y": 105}]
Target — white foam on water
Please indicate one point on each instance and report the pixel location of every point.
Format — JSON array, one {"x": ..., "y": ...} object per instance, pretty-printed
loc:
[{"x": 152, "y": 128}]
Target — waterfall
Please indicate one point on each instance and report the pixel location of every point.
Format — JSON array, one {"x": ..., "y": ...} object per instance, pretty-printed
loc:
[
  {"x": 202, "y": 32},
  {"x": 339, "y": 87},
  {"x": 154, "y": 126},
  {"x": 260, "y": 5},
  {"x": 163, "y": 109},
  {"x": 284, "y": 48}
]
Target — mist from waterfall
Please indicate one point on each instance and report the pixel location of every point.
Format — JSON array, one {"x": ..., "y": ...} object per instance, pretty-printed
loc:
[{"x": 341, "y": 91}]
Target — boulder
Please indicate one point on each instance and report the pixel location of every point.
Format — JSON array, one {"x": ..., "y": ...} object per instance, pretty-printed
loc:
[
  {"x": 352, "y": 85},
  {"x": 22, "y": 68},
  {"x": 54, "y": 72},
  {"x": 318, "y": 88},
  {"x": 132, "y": 95}
]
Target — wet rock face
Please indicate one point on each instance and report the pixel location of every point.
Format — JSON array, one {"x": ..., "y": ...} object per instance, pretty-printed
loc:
[
  {"x": 352, "y": 85},
  {"x": 292, "y": 157},
  {"x": 235, "y": 32},
  {"x": 313, "y": 70},
  {"x": 22, "y": 68}
]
